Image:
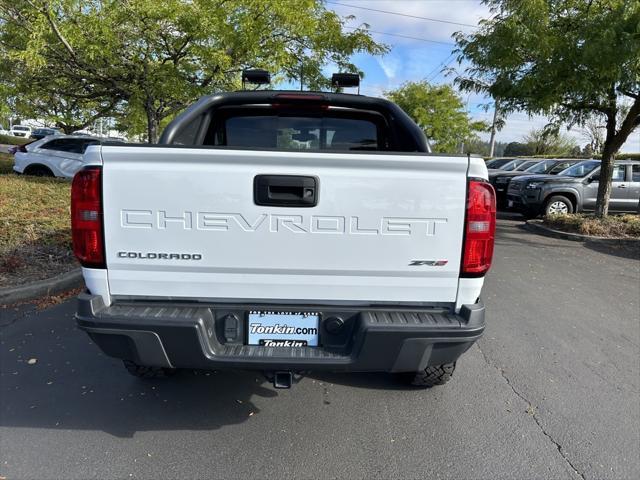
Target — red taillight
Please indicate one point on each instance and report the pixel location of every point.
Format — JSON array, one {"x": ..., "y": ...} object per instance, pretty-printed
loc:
[
  {"x": 479, "y": 229},
  {"x": 86, "y": 217}
]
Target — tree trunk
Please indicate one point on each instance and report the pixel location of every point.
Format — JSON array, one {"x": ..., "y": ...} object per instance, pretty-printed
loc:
[
  {"x": 606, "y": 165},
  {"x": 612, "y": 143},
  {"x": 492, "y": 140},
  {"x": 604, "y": 183},
  {"x": 152, "y": 122}
]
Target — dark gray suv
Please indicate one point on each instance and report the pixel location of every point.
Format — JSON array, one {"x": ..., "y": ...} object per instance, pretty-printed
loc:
[{"x": 575, "y": 189}]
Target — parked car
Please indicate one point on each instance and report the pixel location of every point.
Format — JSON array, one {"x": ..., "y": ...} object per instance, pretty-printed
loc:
[
  {"x": 498, "y": 162},
  {"x": 39, "y": 133},
  {"x": 284, "y": 232},
  {"x": 59, "y": 156},
  {"x": 575, "y": 189},
  {"x": 501, "y": 180},
  {"x": 520, "y": 167},
  {"x": 511, "y": 165},
  {"x": 20, "y": 131}
]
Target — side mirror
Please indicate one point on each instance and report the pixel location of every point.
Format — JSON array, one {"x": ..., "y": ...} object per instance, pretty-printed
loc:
[{"x": 595, "y": 178}]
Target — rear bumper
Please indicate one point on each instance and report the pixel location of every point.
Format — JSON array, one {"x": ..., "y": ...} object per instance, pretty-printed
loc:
[{"x": 195, "y": 336}]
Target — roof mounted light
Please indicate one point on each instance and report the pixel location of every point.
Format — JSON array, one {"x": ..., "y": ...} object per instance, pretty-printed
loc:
[
  {"x": 346, "y": 80},
  {"x": 256, "y": 77}
]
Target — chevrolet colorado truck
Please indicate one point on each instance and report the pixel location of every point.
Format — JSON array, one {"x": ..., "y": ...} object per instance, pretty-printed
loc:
[{"x": 285, "y": 232}]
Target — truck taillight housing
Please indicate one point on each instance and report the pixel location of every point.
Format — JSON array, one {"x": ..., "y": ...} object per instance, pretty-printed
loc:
[
  {"x": 479, "y": 229},
  {"x": 86, "y": 217}
]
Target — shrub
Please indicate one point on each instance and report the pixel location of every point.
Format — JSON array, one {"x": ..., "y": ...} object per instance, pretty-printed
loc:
[{"x": 627, "y": 225}]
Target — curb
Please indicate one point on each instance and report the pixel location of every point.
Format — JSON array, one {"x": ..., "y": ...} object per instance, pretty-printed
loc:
[
  {"x": 50, "y": 286},
  {"x": 536, "y": 227}
]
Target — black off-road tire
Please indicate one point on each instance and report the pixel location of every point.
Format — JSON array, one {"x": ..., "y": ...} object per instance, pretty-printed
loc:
[
  {"x": 431, "y": 376},
  {"x": 554, "y": 205},
  {"x": 143, "y": 371}
]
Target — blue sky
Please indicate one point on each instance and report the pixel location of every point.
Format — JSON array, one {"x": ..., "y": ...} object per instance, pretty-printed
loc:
[{"x": 425, "y": 55}]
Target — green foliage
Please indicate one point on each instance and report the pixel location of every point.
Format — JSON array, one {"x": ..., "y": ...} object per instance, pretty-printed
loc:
[
  {"x": 108, "y": 57},
  {"x": 556, "y": 57},
  {"x": 518, "y": 149},
  {"x": 629, "y": 156},
  {"x": 481, "y": 147},
  {"x": 568, "y": 59},
  {"x": 439, "y": 112}
]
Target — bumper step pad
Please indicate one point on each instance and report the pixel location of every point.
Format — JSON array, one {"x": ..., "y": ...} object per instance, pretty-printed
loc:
[{"x": 185, "y": 336}]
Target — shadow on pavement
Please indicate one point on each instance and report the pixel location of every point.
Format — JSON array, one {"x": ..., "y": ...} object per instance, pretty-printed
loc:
[
  {"x": 622, "y": 251},
  {"x": 72, "y": 385},
  {"x": 369, "y": 381},
  {"x": 517, "y": 234},
  {"x": 506, "y": 215}
]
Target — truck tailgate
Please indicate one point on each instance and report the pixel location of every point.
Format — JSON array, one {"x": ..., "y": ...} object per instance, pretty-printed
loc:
[{"x": 184, "y": 223}]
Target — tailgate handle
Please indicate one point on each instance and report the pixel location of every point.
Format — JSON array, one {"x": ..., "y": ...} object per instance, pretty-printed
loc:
[{"x": 285, "y": 190}]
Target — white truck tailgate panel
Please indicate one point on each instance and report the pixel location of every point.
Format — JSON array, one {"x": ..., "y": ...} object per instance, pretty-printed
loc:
[{"x": 182, "y": 223}]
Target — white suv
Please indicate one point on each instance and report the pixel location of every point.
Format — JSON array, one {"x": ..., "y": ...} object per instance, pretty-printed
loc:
[
  {"x": 56, "y": 155},
  {"x": 20, "y": 131}
]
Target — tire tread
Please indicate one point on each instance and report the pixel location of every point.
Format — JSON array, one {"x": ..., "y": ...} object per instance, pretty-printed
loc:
[
  {"x": 143, "y": 371},
  {"x": 432, "y": 375}
]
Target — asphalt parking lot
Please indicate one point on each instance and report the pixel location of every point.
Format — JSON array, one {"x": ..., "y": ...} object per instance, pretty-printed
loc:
[{"x": 550, "y": 391}]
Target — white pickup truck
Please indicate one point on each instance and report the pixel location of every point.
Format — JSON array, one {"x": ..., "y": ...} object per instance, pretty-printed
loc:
[{"x": 285, "y": 232}]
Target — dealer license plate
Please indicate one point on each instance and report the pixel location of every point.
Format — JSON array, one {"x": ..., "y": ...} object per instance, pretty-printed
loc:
[{"x": 283, "y": 329}]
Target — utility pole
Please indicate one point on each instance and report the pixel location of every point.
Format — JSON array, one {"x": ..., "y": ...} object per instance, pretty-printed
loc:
[{"x": 492, "y": 140}]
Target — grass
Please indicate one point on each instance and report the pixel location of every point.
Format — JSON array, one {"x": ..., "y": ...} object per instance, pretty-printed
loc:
[
  {"x": 32, "y": 209},
  {"x": 6, "y": 164},
  {"x": 613, "y": 226},
  {"x": 11, "y": 140},
  {"x": 35, "y": 232}
]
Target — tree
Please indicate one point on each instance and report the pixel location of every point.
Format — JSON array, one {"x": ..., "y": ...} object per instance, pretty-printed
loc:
[
  {"x": 517, "y": 149},
  {"x": 568, "y": 59},
  {"x": 32, "y": 100},
  {"x": 543, "y": 141},
  {"x": 439, "y": 112},
  {"x": 158, "y": 57},
  {"x": 593, "y": 132}
]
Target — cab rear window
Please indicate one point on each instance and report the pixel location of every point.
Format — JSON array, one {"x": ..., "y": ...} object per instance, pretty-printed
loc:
[{"x": 291, "y": 132}]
